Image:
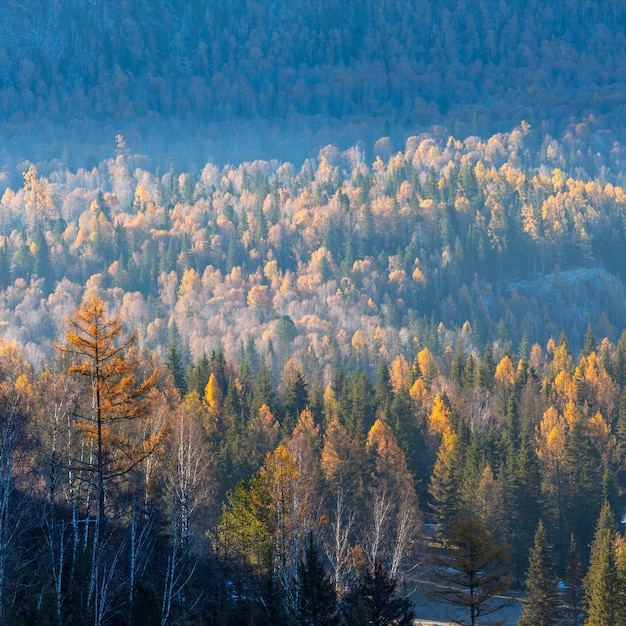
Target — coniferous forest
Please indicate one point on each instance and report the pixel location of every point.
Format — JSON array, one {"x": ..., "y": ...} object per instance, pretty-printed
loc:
[{"x": 341, "y": 389}]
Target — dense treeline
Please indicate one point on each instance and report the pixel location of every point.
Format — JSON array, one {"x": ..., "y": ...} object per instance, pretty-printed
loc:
[
  {"x": 148, "y": 494},
  {"x": 514, "y": 238},
  {"x": 481, "y": 64}
]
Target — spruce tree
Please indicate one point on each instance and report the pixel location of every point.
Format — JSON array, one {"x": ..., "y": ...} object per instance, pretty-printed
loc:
[
  {"x": 542, "y": 604},
  {"x": 174, "y": 359},
  {"x": 574, "y": 594},
  {"x": 374, "y": 601},
  {"x": 601, "y": 581},
  {"x": 316, "y": 601}
]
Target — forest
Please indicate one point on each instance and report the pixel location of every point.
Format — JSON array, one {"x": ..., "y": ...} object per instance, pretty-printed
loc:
[
  {"x": 312, "y": 313},
  {"x": 278, "y": 395}
]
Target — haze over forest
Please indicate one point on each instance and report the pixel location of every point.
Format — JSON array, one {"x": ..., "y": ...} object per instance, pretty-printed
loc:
[{"x": 303, "y": 299}]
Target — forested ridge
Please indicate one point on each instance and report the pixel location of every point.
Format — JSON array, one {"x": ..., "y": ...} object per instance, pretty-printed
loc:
[
  {"x": 75, "y": 73},
  {"x": 245, "y": 59}
]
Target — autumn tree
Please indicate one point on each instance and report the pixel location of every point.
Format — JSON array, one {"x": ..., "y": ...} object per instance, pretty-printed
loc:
[
  {"x": 473, "y": 571},
  {"x": 112, "y": 400}
]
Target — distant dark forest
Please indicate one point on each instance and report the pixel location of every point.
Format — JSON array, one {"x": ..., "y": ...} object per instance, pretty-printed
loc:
[{"x": 477, "y": 66}]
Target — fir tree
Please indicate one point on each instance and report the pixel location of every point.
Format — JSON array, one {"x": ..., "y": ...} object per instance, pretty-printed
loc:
[
  {"x": 374, "y": 601},
  {"x": 574, "y": 595},
  {"x": 601, "y": 582},
  {"x": 316, "y": 601},
  {"x": 174, "y": 361},
  {"x": 542, "y": 606}
]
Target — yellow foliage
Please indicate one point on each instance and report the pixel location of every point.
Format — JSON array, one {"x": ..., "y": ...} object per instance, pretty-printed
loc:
[
  {"x": 400, "y": 374},
  {"x": 389, "y": 459},
  {"x": 336, "y": 452},
  {"x": 190, "y": 282},
  {"x": 564, "y": 390},
  {"x": 505, "y": 372},
  {"x": 213, "y": 394},
  {"x": 418, "y": 393},
  {"x": 601, "y": 436},
  {"x": 439, "y": 418}
]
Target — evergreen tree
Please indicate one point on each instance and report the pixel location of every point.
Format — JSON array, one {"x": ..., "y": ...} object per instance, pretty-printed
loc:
[
  {"x": 174, "y": 360},
  {"x": 582, "y": 469},
  {"x": 198, "y": 375},
  {"x": 5, "y": 266},
  {"x": 264, "y": 392},
  {"x": 297, "y": 396},
  {"x": 445, "y": 481},
  {"x": 601, "y": 582},
  {"x": 316, "y": 601},
  {"x": 590, "y": 342},
  {"x": 542, "y": 606},
  {"x": 41, "y": 263},
  {"x": 487, "y": 368},
  {"x": 523, "y": 498},
  {"x": 574, "y": 595},
  {"x": 374, "y": 601}
]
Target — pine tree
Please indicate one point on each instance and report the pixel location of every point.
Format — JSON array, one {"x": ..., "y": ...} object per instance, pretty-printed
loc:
[
  {"x": 316, "y": 601},
  {"x": 374, "y": 601},
  {"x": 445, "y": 481},
  {"x": 523, "y": 498},
  {"x": 487, "y": 369},
  {"x": 582, "y": 469},
  {"x": 542, "y": 606}
]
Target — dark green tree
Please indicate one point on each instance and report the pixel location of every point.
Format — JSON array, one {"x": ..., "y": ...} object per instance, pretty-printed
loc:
[
  {"x": 601, "y": 584},
  {"x": 374, "y": 600},
  {"x": 574, "y": 592},
  {"x": 582, "y": 469},
  {"x": 541, "y": 607},
  {"x": 5, "y": 266},
  {"x": 316, "y": 601},
  {"x": 522, "y": 494},
  {"x": 264, "y": 392},
  {"x": 174, "y": 359},
  {"x": 297, "y": 395},
  {"x": 487, "y": 368}
]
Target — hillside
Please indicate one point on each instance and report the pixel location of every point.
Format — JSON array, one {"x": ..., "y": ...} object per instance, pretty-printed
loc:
[
  {"x": 477, "y": 68},
  {"x": 312, "y": 312}
]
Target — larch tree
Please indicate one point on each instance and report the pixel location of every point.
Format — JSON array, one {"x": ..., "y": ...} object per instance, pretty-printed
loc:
[
  {"x": 473, "y": 571},
  {"x": 112, "y": 400}
]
